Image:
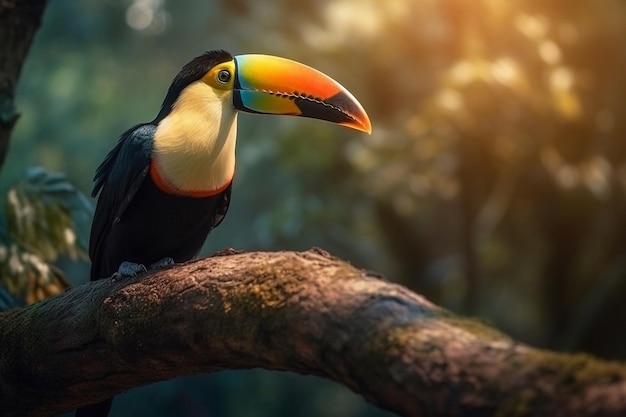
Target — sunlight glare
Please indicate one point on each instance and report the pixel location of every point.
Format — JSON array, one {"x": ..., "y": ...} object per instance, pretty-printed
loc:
[
  {"x": 348, "y": 21},
  {"x": 549, "y": 52},
  {"x": 561, "y": 79},
  {"x": 462, "y": 73},
  {"x": 505, "y": 71},
  {"x": 450, "y": 100},
  {"x": 596, "y": 175},
  {"x": 564, "y": 98},
  {"x": 147, "y": 15},
  {"x": 533, "y": 27}
]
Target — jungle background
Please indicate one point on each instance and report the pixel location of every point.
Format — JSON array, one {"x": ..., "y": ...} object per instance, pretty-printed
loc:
[{"x": 494, "y": 181}]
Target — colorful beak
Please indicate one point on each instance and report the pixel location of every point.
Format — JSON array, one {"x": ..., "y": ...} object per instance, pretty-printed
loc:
[{"x": 272, "y": 85}]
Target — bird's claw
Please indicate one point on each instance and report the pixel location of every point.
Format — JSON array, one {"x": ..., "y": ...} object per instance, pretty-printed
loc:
[
  {"x": 131, "y": 269},
  {"x": 162, "y": 263},
  {"x": 127, "y": 270}
]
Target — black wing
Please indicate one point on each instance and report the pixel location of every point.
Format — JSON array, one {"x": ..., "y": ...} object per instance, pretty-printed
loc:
[{"x": 117, "y": 180}]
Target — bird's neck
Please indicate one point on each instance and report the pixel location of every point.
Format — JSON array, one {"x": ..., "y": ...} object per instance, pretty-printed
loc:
[{"x": 194, "y": 145}]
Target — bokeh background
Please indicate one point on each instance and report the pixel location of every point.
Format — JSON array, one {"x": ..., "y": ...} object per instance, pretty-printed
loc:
[{"x": 494, "y": 181}]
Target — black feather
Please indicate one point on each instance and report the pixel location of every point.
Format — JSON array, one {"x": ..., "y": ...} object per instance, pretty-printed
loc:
[
  {"x": 136, "y": 221},
  {"x": 192, "y": 71}
]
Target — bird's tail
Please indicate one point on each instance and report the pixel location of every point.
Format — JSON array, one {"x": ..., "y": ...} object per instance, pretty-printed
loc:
[{"x": 100, "y": 409}]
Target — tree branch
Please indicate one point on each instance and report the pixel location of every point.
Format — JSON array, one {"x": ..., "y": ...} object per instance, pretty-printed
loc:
[{"x": 301, "y": 312}]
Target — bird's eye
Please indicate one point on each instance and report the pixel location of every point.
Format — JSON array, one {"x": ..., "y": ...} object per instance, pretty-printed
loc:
[{"x": 223, "y": 76}]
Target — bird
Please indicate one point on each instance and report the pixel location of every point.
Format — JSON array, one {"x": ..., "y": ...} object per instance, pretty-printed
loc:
[{"x": 167, "y": 183}]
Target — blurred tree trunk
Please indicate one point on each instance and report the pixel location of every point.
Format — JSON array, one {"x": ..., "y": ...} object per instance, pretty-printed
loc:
[
  {"x": 469, "y": 158},
  {"x": 407, "y": 245},
  {"x": 306, "y": 312},
  {"x": 19, "y": 20}
]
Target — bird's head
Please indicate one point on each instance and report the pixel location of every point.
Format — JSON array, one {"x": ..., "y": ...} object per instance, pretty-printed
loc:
[{"x": 268, "y": 85}]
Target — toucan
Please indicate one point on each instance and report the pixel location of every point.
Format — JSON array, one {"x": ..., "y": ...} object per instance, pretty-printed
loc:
[{"x": 167, "y": 183}]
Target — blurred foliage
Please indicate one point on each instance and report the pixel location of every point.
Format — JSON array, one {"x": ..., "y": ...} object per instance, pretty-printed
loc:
[
  {"x": 39, "y": 225},
  {"x": 494, "y": 181},
  {"x": 7, "y": 300}
]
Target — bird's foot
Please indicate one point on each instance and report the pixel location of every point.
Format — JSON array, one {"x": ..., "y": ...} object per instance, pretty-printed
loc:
[
  {"x": 128, "y": 269},
  {"x": 227, "y": 252},
  {"x": 162, "y": 263},
  {"x": 131, "y": 269}
]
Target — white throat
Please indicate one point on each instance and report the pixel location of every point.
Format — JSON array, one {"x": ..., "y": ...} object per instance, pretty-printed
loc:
[{"x": 194, "y": 145}]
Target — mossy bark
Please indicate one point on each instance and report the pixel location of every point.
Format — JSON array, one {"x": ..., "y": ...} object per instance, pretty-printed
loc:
[{"x": 302, "y": 312}]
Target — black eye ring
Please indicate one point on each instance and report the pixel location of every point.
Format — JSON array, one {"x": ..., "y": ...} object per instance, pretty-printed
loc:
[{"x": 223, "y": 76}]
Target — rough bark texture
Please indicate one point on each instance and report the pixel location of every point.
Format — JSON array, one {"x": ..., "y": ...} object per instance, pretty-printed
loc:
[
  {"x": 19, "y": 20},
  {"x": 302, "y": 312}
]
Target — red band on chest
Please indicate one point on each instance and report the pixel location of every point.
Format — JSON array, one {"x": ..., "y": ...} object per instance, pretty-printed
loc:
[{"x": 169, "y": 188}]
